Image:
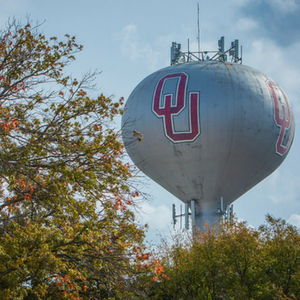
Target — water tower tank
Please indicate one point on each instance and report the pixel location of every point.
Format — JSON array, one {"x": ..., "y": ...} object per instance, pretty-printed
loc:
[{"x": 210, "y": 129}]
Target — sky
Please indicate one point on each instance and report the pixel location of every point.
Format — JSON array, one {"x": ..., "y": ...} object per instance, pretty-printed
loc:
[{"x": 128, "y": 40}]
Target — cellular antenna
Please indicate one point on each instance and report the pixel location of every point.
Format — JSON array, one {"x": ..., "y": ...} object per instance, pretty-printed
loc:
[{"x": 198, "y": 25}]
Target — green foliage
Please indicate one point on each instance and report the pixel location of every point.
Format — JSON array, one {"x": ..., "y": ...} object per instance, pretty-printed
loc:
[
  {"x": 232, "y": 261},
  {"x": 66, "y": 230}
]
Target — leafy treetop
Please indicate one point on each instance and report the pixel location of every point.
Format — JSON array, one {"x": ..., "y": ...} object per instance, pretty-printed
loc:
[{"x": 66, "y": 230}]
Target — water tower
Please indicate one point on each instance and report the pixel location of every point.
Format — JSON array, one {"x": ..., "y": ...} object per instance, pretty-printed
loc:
[{"x": 212, "y": 128}]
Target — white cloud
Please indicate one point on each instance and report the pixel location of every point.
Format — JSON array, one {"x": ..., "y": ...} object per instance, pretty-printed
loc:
[
  {"x": 134, "y": 47},
  {"x": 245, "y": 24},
  {"x": 11, "y": 9},
  {"x": 241, "y": 2},
  {"x": 284, "y": 6},
  {"x": 12, "y": 4},
  {"x": 294, "y": 219},
  {"x": 130, "y": 42},
  {"x": 262, "y": 52},
  {"x": 275, "y": 61},
  {"x": 159, "y": 220},
  {"x": 157, "y": 217},
  {"x": 283, "y": 188}
]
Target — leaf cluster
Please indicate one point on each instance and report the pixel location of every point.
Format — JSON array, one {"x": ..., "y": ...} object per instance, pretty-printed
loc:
[{"x": 232, "y": 261}]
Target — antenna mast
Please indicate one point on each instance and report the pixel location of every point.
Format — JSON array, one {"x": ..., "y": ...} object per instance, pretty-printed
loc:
[{"x": 198, "y": 23}]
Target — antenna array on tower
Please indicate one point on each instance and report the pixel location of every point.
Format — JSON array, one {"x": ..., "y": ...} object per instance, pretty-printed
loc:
[{"x": 177, "y": 56}]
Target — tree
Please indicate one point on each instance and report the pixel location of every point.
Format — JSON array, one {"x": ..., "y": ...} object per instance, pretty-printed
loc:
[
  {"x": 66, "y": 227},
  {"x": 232, "y": 261},
  {"x": 282, "y": 256}
]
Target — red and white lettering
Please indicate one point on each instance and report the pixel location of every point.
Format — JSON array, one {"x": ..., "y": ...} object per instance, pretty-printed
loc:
[
  {"x": 284, "y": 118},
  {"x": 168, "y": 109}
]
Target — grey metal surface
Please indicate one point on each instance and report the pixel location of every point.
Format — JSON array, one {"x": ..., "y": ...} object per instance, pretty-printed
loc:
[{"x": 210, "y": 130}]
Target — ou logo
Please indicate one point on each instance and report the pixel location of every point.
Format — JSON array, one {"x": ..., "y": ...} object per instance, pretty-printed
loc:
[
  {"x": 170, "y": 105},
  {"x": 284, "y": 118}
]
